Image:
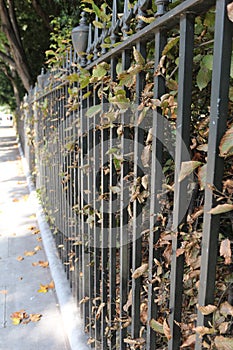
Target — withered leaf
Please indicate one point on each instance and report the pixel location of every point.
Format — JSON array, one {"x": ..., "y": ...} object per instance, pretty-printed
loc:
[
  {"x": 45, "y": 287},
  {"x": 202, "y": 330},
  {"x": 226, "y": 309},
  {"x": 137, "y": 341},
  {"x": 140, "y": 271},
  {"x": 187, "y": 168},
  {"x": 43, "y": 264},
  {"x": 223, "y": 327},
  {"x": 84, "y": 300},
  {"x": 37, "y": 248},
  {"x": 18, "y": 316},
  {"x": 129, "y": 301},
  {"x": 29, "y": 253},
  {"x": 3, "y": 291},
  {"x": 221, "y": 208},
  {"x": 167, "y": 330},
  {"x": 189, "y": 341},
  {"x": 223, "y": 343},
  {"x": 230, "y": 11},
  {"x": 100, "y": 308},
  {"x": 35, "y": 232},
  {"x": 20, "y": 258},
  {"x": 225, "y": 251},
  {"x": 35, "y": 317},
  {"x": 207, "y": 310}
]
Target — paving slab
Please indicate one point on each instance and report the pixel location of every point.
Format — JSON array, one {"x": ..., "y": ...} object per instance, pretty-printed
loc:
[{"x": 20, "y": 249}]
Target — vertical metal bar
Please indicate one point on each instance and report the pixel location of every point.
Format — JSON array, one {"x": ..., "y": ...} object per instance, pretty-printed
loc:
[
  {"x": 90, "y": 227},
  {"x": 97, "y": 230},
  {"x": 137, "y": 220},
  {"x": 112, "y": 230},
  {"x": 156, "y": 184},
  {"x": 124, "y": 239},
  {"x": 104, "y": 230},
  {"x": 215, "y": 164},
  {"x": 181, "y": 155}
]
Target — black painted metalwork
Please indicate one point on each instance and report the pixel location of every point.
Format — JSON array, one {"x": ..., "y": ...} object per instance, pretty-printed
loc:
[{"x": 91, "y": 170}]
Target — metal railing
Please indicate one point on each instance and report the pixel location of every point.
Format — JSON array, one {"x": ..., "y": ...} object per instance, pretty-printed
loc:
[{"x": 110, "y": 176}]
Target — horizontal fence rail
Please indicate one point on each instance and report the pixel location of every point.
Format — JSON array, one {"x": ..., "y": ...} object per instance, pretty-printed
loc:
[{"x": 126, "y": 140}]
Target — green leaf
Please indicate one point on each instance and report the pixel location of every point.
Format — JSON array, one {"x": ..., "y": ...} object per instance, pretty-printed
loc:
[
  {"x": 226, "y": 144},
  {"x": 221, "y": 208},
  {"x": 203, "y": 77},
  {"x": 92, "y": 111},
  {"x": 156, "y": 326},
  {"x": 119, "y": 68},
  {"x": 147, "y": 20},
  {"x": 84, "y": 81},
  {"x": 98, "y": 24},
  {"x": 207, "y": 62},
  {"x": 231, "y": 72},
  {"x": 187, "y": 168},
  {"x": 170, "y": 45},
  {"x": 231, "y": 93},
  {"x": 99, "y": 72}
]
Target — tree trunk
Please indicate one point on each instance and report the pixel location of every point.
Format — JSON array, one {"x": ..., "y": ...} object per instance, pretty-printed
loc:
[{"x": 10, "y": 28}]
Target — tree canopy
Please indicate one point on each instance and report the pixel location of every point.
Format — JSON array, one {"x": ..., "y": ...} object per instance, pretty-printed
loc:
[{"x": 26, "y": 27}]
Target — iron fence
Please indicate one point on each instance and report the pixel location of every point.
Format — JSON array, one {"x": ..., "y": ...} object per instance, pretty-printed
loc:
[{"x": 113, "y": 129}]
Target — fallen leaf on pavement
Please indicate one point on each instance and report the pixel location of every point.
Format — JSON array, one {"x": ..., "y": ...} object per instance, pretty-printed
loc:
[
  {"x": 22, "y": 317},
  {"x": 35, "y": 317},
  {"x": 45, "y": 287},
  {"x": 18, "y": 316},
  {"x": 20, "y": 258},
  {"x": 35, "y": 232},
  {"x": 15, "y": 200},
  {"x": 29, "y": 253},
  {"x": 32, "y": 228},
  {"x": 3, "y": 291},
  {"x": 41, "y": 263},
  {"x": 39, "y": 239},
  {"x": 37, "y": 248}
]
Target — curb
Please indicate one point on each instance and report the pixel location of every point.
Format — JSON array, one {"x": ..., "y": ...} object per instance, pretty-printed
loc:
[{"x": 71, "y": 317}]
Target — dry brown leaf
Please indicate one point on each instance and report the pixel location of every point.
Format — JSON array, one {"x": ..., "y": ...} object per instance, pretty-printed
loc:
[
  {"x": 167, "y": 330},
  {"x": 35, "y": 232},
  {"x": 29, "y": 253},
  {"x": 225, "y": 251},
  {"x": 37, "y": 248},
  {"x": 51, "y": 285},
  {"x": 129, "y": 301},
  {"x": 140, "y": 271},
  {"x": 221, "y": 208},
  {"x": 32, "y": 228},
  {"x": 223, "y": 343},
  {"x": 189, "y": 341},
  {"x": 223, "y": 327},
  {"x": 39, "y": 239},
  {"x": 15, "y": 200},
  {"x": 35, "y": 317},
  {"x": 230, "y": 11},
  {"x": 226, "y": 309},
  {"x": 20, "y": 258},
  {"x": 3, "y": 291},
  {"x": 137, "y": 341},
  {"x": 207, "y": 310},
  {"x": 100, "y": 308},
  {"x": 84, "y": 300},
  {"x": 203, "y": 330}
]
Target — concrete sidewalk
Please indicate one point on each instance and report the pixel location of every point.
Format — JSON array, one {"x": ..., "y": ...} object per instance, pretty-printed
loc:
[{"x": 20, "y": 249}]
